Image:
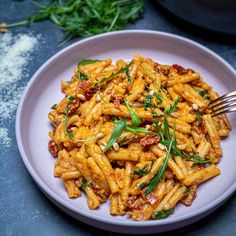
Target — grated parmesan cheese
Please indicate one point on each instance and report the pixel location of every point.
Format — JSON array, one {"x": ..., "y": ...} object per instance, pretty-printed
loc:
[
  {"x": 14, "y": 56},
  {"x": 4, "y": 137}
]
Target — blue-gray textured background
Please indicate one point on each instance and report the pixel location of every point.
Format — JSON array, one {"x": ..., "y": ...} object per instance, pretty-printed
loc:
[{"x": 24, "y": 210}]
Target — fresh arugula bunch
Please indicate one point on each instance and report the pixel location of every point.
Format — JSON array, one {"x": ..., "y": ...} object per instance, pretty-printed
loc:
[{"x": 86, "y": 17}]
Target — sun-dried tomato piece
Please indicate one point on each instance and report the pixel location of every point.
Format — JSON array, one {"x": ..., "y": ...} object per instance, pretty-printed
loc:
[
  {"x": 202, "y": 127},
  {"x": 73, "y": 107},
  {"x": 117, "y": 104},
  {"x": 180, "y": 70},
  {"x": 135, "y": 202},
  {"x": 149, "y": 140},
  {"x": 53, "y": 148},
  {"x": 116, "y": 100},
  {"x": 160, "y": 69},
  {"x": 84, "y": 84},
  {"x": 109, "y": 91},
  {"x": 89, "y": 92}
]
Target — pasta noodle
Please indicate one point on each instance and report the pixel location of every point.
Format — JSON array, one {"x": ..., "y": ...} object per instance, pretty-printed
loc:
[{"x": 138, "y": 133}]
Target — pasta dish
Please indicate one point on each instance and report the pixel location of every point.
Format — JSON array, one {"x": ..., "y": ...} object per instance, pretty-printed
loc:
[{"x": 137, "y": 134}]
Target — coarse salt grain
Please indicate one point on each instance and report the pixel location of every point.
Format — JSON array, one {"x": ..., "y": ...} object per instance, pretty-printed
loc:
[{"x": 14, "y": 56}]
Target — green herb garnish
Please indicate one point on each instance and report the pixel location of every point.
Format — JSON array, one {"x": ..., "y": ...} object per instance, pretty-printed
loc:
[
  {"x": 165, "y": 140},
  {"x": 53, "y": 107},
  {"x": 171, "y": 108},
  {"x": 112, "y": 75},
  {"x": 70, "y": 98},
  {"x": 186, "y": 190},
  {"x": 194, "y": 157},
  {"x": 87, "y": 62},
  {"x": 96, "y": 84},
  {"x": 158, "y": 97},
  {"x": 82, "y": 76},
  {"x": 135, "y": 119},
  {"x": 141, "y": 185},
  {"x": 144, "y": 171},
  {"x": 121, "y": 70},
  {"x": 154, "y": 182},
  {"x": 148, "y": 102},
  {"x": 203, "y": 94},
  {"x": 120, "y": 126},
  {"x": 125, "y": 140},
  {"x": 128, "y": 75},
  {"x": 162, "y": 214},
  {"x": 86, "y": 18},
  {"x": 84, "y": 183},
  {"x": 141, "y": 172},
  {"x": 199, "y": 117},
  {"x": 139, "y": 130}
]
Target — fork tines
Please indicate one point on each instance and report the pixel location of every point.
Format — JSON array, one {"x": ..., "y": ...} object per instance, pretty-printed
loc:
[{"x": 223, "y": 104}]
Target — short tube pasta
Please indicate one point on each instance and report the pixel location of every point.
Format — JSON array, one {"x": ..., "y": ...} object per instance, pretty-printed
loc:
[{"x": 137, "y": 134}]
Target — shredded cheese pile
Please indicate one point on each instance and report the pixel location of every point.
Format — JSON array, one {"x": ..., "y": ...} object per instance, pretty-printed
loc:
[{"x": 15, "y": 54}]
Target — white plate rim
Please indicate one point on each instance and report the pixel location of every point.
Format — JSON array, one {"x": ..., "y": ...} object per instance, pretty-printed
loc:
[{"x": 203, "y": 210}]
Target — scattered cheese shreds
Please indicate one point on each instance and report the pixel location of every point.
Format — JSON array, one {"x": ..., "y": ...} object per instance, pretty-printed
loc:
[
  {"x": 4, "y": 137},
  {"x": 15, "y": 53}
]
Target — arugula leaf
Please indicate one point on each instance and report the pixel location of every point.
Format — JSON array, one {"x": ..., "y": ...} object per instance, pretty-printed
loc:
[
  {"x": 158, "y": 97},
  {"x": 53, "y": 107},
  {"x": 84, "y": 183},
  {"x": 141, "y": 185},
  {"x": 139, "y": 130},
  {"x": 87, "y": 62},
  {"x": 148, "y": 102},
  {"x": 70, "y": 98},
  {"x": 165, "y": 140},
  {"x": 142, "y": 171},
  {"x": 104, "y": 80},
  {"x": 128, "y": 75},
  {"x": 120, "y": 126},
  {"x": 203, "y": 93},
  {"x": 166, "y": 128},
  {"x": 171, "y": 108},
  {"x": 135, "y": 119},
  {"x": 199, "y": 117},
  {"x": 186, "y": 190},
  {"x": 156, "y": 115},
  {"x": 121, "y": 70},
  {"x": 68, "y": 133},
  {"x": 194, "y": 157},
  {"x": 82, "y": 76},
  {"x": 154, "y": 182},
  {"x": 125, "y": 140},
  {"x": 96, "y": 84},
  {"x": 162, "y": 214}
]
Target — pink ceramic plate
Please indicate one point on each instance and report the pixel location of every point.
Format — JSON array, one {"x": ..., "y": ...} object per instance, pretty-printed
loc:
[{"x": 43, "y": 90}]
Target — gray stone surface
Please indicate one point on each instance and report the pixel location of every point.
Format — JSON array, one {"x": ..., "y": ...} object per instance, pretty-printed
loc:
[{"x": 24, "y": 210}]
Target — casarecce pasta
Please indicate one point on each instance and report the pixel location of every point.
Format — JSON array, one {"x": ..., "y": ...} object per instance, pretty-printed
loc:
[{"x": 137, "y": 134}]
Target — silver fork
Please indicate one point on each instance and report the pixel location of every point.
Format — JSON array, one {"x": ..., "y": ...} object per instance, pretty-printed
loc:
[{"x": 223, "y": 104}]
